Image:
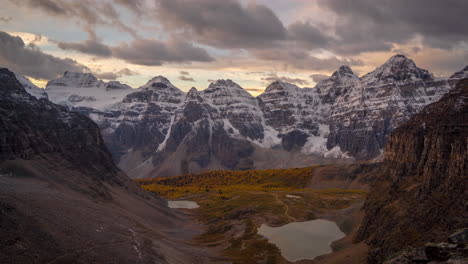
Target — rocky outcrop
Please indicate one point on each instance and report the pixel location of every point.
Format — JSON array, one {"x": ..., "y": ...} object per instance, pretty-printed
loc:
[
  {"x": 63, "y": 200},
  {"x": 422, "y": 189},
  {"x": 442, "y": 252},
  {"x": 32, "y": 127}
]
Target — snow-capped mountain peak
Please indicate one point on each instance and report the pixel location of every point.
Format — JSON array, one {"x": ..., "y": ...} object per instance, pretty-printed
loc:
[
  {"x": 224, "y": 83},
  {"x": 115, "y": 85},
  {"x": 161, "y": 83},
  {"x": 226, "y": 91},
  {"x": 75, "y": 79},
  {"x": 343, "y": 72},
  {"x": 398, "y": 68},
  {"x": 193, "y": 95}
]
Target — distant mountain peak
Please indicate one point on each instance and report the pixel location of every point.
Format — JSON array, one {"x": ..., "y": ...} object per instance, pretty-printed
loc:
[
  {"x": 401, "y": 60},
  {"x": 160, "y": 83},
  {"x": 192, "y": 91},
  {"x": 75, "y": 79},
  {"x": 159, "y": 79},
  {"x": 398, "y": 68},
  {"x": 280, "y": 85},
  {"x": 344, "y": 71},
  {"x": 224, "y": 83}
]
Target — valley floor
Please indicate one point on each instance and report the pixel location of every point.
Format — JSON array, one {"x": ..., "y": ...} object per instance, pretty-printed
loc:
[{"x": 233, "y": 212}]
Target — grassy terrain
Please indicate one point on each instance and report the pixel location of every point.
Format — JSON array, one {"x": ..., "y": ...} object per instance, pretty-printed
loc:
[{"x": 233, "y": 204}]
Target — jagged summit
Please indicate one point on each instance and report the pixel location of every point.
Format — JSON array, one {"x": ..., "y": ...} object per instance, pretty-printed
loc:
[
  {"x": 280, "y": 86},
  {"x": 460, "y": 74},
  {"x": 75, "y": 79},
  {"x": 160, "y": 79},
  {"x": 158, "y": 82},
  {"x": 226, "y": 90},
  {"x": 344, "y": 71},
  {"x": 397, "y": 68},
  {"x": 193, "y": 95},
  {"x": 192, "y": 91},
  {"x": 114, "y": 85},
  {"x": 224, "y": 83}
]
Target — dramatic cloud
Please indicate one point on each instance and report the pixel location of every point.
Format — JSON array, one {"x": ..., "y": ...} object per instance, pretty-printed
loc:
[
  {"x": 318, "y": 77},
  {"x": 115, "y": 75},
  {"x": 31, "y": 61},
  {"x": 274, "y": 77},
  {"x": 301, "y": 59},
  {"x": 89, "y": 11},
  {"x": 90, "y": 46},
  {"x": 308, "y": 34},
  {"x": 224, "y": 24},
  {"x": 364, "y": 25},
  {"x": 153, "y": 52}
]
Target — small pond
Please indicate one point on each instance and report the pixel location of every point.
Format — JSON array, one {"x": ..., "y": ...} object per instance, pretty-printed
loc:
[
  {"x": 293, "y": 196},
  {"x": 182, "y": 204},
  {"x": 303, "y": 240}
]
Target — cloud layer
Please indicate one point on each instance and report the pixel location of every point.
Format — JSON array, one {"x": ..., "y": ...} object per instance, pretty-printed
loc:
[{"x": 31, "y": 61}]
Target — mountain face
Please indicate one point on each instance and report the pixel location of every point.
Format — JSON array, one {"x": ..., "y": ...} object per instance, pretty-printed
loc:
[
  {"x": 63, "y": 200},
  {"x": 31, "y": 88},
  {"x": 377, "y": 103},
  {"x": 84, "y": 90},
  {"x": 159, "y": 130},
  {"x": 421, "y": 193}
]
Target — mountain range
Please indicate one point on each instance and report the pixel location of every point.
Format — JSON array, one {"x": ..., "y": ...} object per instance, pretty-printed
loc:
[{"x": 158, "y": 130}]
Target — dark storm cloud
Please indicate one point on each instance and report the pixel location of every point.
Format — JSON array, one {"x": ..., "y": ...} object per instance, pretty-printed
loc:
[
  {"x": 301, "y": 59},
  {"x": 154, "y": 53},
  {"x": 365, "y": 25},
  {"x": 224, "y": 24},
  {"x": 318, "y": 77},
  {"x": 274, "y": 77},
  {"x": 89, "y": 46},
  {"x": 31, "y": 61},
  {"x": 89, "y": 11},
  {"x": 308, "y": 34}
]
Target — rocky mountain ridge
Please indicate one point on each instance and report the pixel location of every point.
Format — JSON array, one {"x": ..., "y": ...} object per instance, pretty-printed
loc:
[
  {"x": 420, "y": 193},
  {"x": 62, "y": 198},
  {"x": 344, "y": 117}
]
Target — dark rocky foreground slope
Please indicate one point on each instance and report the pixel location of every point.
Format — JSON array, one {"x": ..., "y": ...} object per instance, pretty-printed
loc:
[
  {"x": 422, "y": 194},
  {"x": 62, "y": 199}
]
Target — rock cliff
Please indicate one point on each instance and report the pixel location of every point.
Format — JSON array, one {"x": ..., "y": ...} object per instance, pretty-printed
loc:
[{"x": 422, "y": 192}]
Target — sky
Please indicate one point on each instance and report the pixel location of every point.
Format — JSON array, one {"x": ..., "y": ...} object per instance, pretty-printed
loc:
[{"x": 252, "y": 42}]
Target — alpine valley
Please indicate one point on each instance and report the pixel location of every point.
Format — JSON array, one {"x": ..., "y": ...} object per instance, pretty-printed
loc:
[{"x": 158, "y": 130}]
